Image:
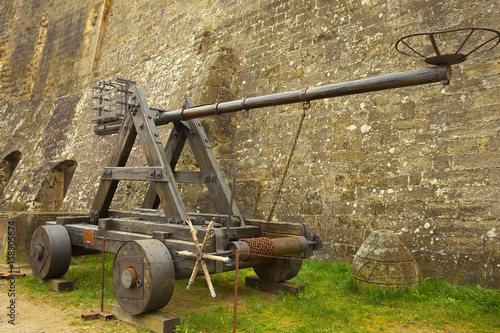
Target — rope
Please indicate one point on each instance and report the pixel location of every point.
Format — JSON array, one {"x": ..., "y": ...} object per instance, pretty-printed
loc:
[{"x": 305, "y": 107}]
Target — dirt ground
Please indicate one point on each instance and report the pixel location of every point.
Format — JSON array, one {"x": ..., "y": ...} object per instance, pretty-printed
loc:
[{"x": 32, "y": 316}]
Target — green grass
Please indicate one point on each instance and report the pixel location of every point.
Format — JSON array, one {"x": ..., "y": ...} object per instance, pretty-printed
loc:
[
  {"x": 85, "y": 272},
  {"x": 329, "y": 303}
]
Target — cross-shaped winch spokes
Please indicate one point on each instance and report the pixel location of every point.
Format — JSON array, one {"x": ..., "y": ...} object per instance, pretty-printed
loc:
[{"x": 200, "y": 255}]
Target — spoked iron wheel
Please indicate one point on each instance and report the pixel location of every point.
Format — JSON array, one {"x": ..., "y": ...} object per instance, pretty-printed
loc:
[
  {"x": 50, "y": 252},
  {"x": 448, "y": 47}
]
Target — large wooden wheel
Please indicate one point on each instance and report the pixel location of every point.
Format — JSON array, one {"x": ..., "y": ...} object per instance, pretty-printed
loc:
[
  {"x": 50, "y": 252},
  {"x": 143, "y": 276}
]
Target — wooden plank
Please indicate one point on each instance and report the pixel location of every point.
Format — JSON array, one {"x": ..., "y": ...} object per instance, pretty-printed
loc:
[
  {"x": 246, "y": 231},
  {"x": 156, "y": 321},
  {"x": 63, "y": 220},
  {"x": 147, "y": 225},
  {"x": 114, "y": 239},
  {"x": 192, "y": 177},
  {"x": 175, "y": 231},
  {"x": 152, "y": 215},
  {"x": 61, "y": 284},
  {"x": 287, "y": 228}
]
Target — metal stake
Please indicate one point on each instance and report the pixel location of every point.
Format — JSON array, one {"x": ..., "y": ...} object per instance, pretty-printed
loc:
[
  {"x": 236, "y": 290},
  {"x": 100, "y": 313},
  {"x": 102, "y": 273}
]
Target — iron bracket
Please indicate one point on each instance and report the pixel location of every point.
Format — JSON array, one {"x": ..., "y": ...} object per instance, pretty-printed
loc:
[
  {"x": 106, "y": 174},
  {"x": 219, "y": 249},
  {"x": 156, "y": 174},
  {"x": 174, "y": 220},
  {"x": 94, "y": 216},
  {"x": 209, "y": 177}
]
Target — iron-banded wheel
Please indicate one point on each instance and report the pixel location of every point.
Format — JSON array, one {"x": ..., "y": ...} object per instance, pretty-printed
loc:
[
  {"x": 278, "y": 270},
  {"x": 143, "y": 276},
  {"x": 50, "y": 251}
]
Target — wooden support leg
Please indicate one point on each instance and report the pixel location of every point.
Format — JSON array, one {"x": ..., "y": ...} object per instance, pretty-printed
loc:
[{"x": 118, "y": 158}]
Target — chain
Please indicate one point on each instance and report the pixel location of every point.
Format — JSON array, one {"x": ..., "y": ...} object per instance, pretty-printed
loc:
[
  {"x": 261, "y": 248},
  {"x": 306, "y": 106}
]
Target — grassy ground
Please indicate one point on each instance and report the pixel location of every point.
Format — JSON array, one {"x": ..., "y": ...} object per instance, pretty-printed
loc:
[{"x": 329, "y": 303}]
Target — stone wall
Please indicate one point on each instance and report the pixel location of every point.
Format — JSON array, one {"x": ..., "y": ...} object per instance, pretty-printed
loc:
[{"x": 422, "y": 161}]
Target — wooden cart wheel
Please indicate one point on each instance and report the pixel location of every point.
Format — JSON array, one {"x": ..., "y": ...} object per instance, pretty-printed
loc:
[
  {"x": 278, "y": 270},
  {"x": 50, "y": 251},
  {"x": 143, "y": 276}
]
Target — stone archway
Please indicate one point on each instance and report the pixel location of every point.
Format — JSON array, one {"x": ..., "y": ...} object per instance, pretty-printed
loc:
[
  {"x": 7, "y": 167},
  {"x": 55, "y": 186}
]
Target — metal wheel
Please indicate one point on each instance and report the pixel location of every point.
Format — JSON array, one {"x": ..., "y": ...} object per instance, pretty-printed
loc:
[
  {"x": 278, "y": 270},
  {"x": 143, "y": 276},
  {"x": 50, "y": 252}
]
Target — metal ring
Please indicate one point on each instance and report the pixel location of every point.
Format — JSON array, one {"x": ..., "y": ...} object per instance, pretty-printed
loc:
[
  {"x": 245, "y": 110},
  {"x": 306, "y": 105},
  {"x": 303, "y": 94}
]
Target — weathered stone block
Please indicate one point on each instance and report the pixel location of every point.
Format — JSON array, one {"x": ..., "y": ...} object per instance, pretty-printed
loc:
[
  {"x": 477, "y": 161},
  {"x": 441, "y": 209},
  {"x": 492, "y": 244},
  {"x": 464, "y": 245},
  {"x": 430, "y": 242}
]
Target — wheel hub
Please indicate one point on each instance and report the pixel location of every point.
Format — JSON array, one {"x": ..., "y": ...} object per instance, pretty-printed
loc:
[
  {"x": 39, "y": 251},
  {"x": 129, "y": 277}
]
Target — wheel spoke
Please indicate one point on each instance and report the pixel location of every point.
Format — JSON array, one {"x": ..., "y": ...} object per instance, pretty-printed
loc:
[
  {"x": 193, "y": 275},
  {"x": 200, "y": 255}
]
